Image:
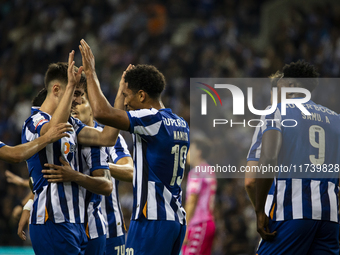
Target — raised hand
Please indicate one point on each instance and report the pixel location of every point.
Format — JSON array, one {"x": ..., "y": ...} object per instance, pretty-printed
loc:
[
  {"x": 122, "y": 83},
  {"x": 72, "y": 75},
  {"x": 56, "y": 132},
  {"x": 87, "y": 56}
]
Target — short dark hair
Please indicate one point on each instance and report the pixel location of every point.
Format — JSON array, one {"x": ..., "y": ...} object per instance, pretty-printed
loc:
[
  {"x": 302, "y": 69},
  {"x": 58, "y": 71},
  {"x": 147, "y": 78},
  {"x": 204, "y": 145},
  {"x": 40, "y": 98}
]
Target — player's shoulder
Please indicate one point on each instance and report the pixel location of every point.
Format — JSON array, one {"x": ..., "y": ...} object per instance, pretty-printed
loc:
[
  {"x": 170, "y": 119},
  {"x": 37, "y": 117},
  {"x": 145, "y": 113}
]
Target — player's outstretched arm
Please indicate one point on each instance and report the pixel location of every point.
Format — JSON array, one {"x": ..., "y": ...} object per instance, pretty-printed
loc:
[
  {"x": 16, "y": 154},
  {"x": 99, "y": 183},
  {"x": 62, "y": 113},
  {"x": 90, "y": 136},
  {"x": 16, "y": 179},
  {"x": 122, "y": 170},
  {"x": 102, "y": 109},
  {"x": 271, "y": 144}
]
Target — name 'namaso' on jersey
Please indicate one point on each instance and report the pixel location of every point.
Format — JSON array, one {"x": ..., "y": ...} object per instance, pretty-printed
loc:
[
  {"x": 161, "y": 142},
  {"x": 59, "y": 202},
  {"x": 315, "y": 140}
]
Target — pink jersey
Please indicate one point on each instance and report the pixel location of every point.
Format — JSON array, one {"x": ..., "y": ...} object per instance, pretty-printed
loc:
[{"x": 204, "y": 185}]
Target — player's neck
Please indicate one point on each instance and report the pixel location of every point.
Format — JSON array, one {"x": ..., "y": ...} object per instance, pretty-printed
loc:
[
  {"x": 156, "y": 104},
  {"x": 49, "y": 106},
  {"x": 90, "y": 123}
]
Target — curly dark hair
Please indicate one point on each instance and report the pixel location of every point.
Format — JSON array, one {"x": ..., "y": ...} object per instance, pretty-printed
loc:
[
  {"x": 147, "y": 78},
  {"x": 302, "y": 69}
]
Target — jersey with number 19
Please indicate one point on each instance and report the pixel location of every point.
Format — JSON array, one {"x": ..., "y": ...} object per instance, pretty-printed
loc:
[{"x": 161, "y": 142}]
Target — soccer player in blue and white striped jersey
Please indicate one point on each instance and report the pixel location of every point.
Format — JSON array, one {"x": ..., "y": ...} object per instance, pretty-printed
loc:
[
  {"x": 57, "y": 216},
  {"x": 254, "y": 154},
  {"x": 304, "y": 216},
  {"x": 104, "y": 220},
  {"x": 161, "y": 142},
  {"x": 21, "y": 152}
]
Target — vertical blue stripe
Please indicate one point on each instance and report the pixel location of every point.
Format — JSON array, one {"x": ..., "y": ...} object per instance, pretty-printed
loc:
[
  {"x": 75, "y": 196},
  {"x": 306, "y": 199},
  {"x": 287, "y": 203},
  {"x": 325, "y": 203},
  {"x": 95, "y": 157},
  {"x": 49, "y": 203},
  {"x": 110, "y": 216},
  {"x": 35, "y": 210},
  {"x": 161, "y": 213},
  {"x": 63, "y": 201}
]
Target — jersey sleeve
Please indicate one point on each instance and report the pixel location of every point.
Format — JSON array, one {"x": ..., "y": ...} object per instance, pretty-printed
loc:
[
  {"x": 38, "y": 121},
  {"x": 120, "y": 150},
  {"x": 194, "y": 183},
  {"x": 145, "y": 122},
  {"x": 256, "y": 143},
  {"x": 2, "y": 144},
  {"x": 77, "y": 124},
  {"x": 95, "y": 157},
  {"x": 272, "y": 121}
]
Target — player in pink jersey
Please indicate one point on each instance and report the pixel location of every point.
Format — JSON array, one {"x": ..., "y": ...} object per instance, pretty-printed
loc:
[{"x": 200, "y": 195}]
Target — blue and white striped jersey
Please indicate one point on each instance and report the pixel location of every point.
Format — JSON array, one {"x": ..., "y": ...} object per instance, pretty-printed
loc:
[
  {"x": 2, "y": 144},
  {"x": 111, "y": 207},
  {"x": 59, "y": 202},
  {"x": 254, "y": 155},
  {"x": 161, "y": 142},
  {"x": 315, "y": 140},
  {"x": 91, "y": 159}
]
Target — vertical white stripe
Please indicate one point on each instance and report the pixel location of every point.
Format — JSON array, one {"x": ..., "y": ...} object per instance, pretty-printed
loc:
[
  {"x": 139, "y": 168},
  {"x": 69, "y": 199},
  {"x": 254, "y": 139},
  {"x": 268, "y": 205},
  {"x": 316, "y": 200},
  {"x": 278, "y": 118},
  {"x": 281, "y": 188},
  {"x": 40, "y": 213},
  {"x": 152, "y": 202},
  {"x": 119, "y": 221},
  {"x": 102, "y": 221},
  {"x": 167, "y": 198},
  {"x": 103, "y": 206},
  {"x": 333, "y": 202},
  {"x": 93, "y": 233},
  {"x": 297, "y": 198},
  {"x": 81, "y": 196},
  {"x": 57, "y": 212}
]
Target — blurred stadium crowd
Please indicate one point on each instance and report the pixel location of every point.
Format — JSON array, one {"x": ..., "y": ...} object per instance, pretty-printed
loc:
[{"x": 183, "y": 39}]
